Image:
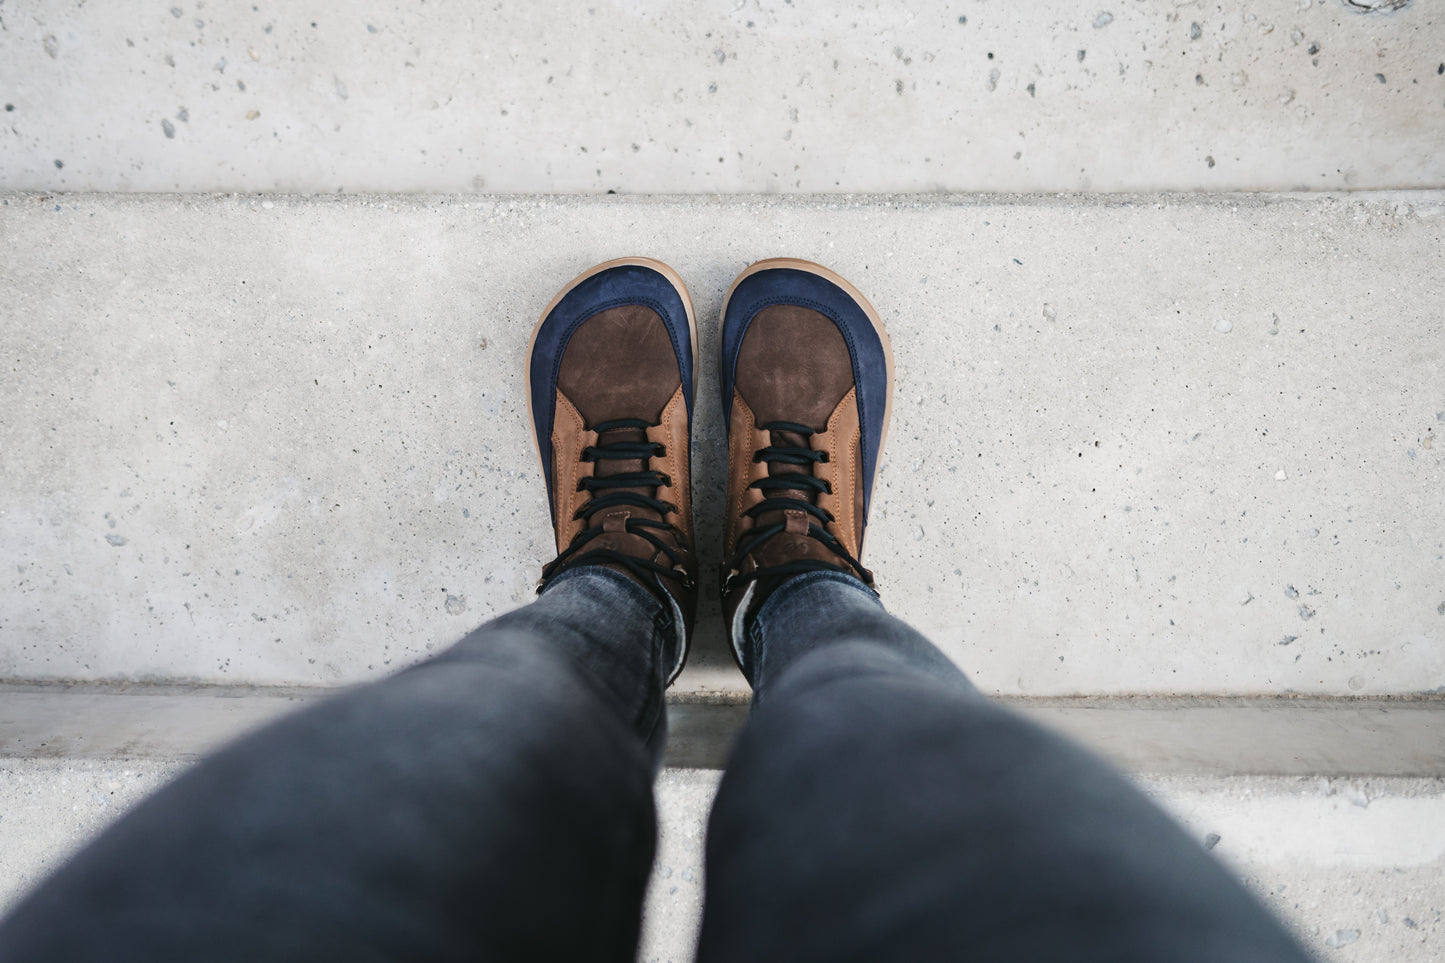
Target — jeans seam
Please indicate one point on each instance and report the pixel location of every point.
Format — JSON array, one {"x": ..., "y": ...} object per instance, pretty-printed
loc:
[{"x": 652, "y": 707}]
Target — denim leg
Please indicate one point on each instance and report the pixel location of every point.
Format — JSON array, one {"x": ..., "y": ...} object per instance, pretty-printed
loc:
[
  {"x": 825, "y": 610},
  {"x": 878, "y": 808},
  {"x": 494, "y": 802},
  {"x": 615, "y": 632}
]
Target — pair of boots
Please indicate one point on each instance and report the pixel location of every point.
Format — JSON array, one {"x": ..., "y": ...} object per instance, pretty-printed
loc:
[{"x": 806, "y": 371}]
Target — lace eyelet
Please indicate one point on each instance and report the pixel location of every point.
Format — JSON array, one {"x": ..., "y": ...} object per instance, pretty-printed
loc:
[
  {"x": 661, "y": 452},
  {"x": 824, "y": 459}
]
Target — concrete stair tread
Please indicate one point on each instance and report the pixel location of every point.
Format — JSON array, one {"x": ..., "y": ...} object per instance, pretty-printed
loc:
[
  {"x": 1144, "y": 445},
  {"x": 546, "y": 96}
]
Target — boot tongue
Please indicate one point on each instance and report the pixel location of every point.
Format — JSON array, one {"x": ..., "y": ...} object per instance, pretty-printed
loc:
[
  {"x": 793, "y": 543},
  {"x": 789, "y": 439},
  {"x": 609, "y": 467}
]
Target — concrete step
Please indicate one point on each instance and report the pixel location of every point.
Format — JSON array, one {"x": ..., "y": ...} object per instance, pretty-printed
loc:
[
  {"x": 1355, "y": 866},
  {"x": 1145, "y": 445},
  {"x": 1198, "y": 736},
  {"x": 722, "y": 95}
]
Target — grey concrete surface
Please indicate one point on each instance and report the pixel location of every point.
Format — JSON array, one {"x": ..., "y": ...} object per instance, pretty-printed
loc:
[
  {"x": 1355, "y": 867},
  {"x": 1324, "y": 737},
  {"x": 1141, "y": 444},
  {"x": 721, "y": 96}
]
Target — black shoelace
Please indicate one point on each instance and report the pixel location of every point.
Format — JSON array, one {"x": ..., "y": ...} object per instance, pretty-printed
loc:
[
  {"x": 576, "y": 554},
  {"x": 750, "y": 540}
]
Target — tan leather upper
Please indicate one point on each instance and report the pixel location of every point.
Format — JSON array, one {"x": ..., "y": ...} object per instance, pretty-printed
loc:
[
  {"x": 570, "y": 438},
  {"x": 844, "y": 470},
  {"x": 672, "y": 433}
]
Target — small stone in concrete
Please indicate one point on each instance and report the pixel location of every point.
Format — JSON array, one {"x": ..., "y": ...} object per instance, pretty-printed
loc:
[
  {"x": 1287, "y": 640},
  {"x": 1290, "y": 592},
  {"x": 1103, "y": 20},
  {"x": 456, "y": 605},
  {"x": 1306, "y": 613},
  {"x": 168, "y": 129},
  {"x": 1342, "y": 938},
  {"x": 1195, "y": 31},
  {"x": 1223, "y": 325},
  {"x": 116, "y": 540},
  {"x": 1049, "y": 313},
  {"x": 1211, "y": 840}
]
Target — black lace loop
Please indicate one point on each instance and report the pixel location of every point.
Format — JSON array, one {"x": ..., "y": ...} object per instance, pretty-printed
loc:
[
  {"x": 752, "y": 539},
  {"x": 574, "y": 553}
]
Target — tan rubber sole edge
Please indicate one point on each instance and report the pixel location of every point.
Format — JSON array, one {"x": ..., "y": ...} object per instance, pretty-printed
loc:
[
  {"x": 797, "y": 264},
  {"x": 647, "y": 262}
]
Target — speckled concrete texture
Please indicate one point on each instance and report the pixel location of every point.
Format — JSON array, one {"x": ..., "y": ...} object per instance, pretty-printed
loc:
[
  {"x": 673, "y": 913},
  {"x": 721, "y": 95},
  {"x": 49, "y": 808},
  {"x": 1141, "y": 444},
  {"x": 1355, "y": 868}
]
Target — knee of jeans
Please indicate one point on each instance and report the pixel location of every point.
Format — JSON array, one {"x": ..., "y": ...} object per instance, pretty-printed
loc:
[
  {"x": 502, "y": 647},
  {"x": 510, "y": 665},
  {"x": 843, "y": 662}
]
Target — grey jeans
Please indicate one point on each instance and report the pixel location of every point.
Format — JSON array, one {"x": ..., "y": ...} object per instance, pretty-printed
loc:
[{"x": 495, "y": 803}]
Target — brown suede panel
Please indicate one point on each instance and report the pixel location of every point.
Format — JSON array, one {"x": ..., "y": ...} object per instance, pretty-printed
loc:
[
  {"x": 619, "y": 363},
  {"x": 793, "y": 365}
]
